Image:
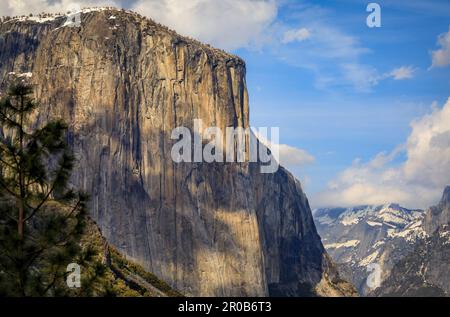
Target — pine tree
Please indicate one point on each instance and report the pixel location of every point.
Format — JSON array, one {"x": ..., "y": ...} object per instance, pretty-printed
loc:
[{"x": 41, "y": 216}]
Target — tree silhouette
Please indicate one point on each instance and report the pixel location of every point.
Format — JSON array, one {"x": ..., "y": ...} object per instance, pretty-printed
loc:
[{"x": 41, "y": 216}]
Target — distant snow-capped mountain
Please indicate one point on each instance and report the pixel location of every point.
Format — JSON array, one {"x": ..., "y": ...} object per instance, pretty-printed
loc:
[
  {"x": 358, "y": 237},
  {"x": 422, "y": 272},
  {"x": 426, "y": 270}
]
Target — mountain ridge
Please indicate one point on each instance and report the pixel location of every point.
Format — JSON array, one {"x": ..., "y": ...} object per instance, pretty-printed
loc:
[
  {"x": 425, "y": 271},
  {"x": 361, "y": 236},
  {"x": 410, "y": 246}
]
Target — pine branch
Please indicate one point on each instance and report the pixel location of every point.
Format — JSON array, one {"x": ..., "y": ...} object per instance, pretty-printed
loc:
[
  {"x": 47, "y": 236},
  {"x": 43, "y": 201},
  {"x": 55, "y": 273},
  {"x": 8, "y": 164},
  {"x": 74, "y": 208},
  {"x": 8, "y": 190}
]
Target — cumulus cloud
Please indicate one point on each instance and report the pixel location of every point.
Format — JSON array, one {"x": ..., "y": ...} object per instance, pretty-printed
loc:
[
  {"x": 293, "y": 157},
  {"x": 233, "y": 24},
  {"x": 20, "y": 7},
  {"x": 441, "y": 140},
  {"x": 441, "y": 57},
  {"x": 227, "y": 24},
  {"x": 289, "y": 156},
  {"x": 296, "y": 35},
  {"x": 24, "y": 7},
  {"x": 417, "y": 182}
]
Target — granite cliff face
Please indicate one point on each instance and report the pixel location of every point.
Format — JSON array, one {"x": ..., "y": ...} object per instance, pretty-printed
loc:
[{"x": 123, "y": 82}]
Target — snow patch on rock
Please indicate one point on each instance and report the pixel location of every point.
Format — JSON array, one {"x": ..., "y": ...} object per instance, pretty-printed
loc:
[
  {"x": 346, "y": 244},
  {"x": 325, "y": 220},
  {"x": 368, "y": 259}
]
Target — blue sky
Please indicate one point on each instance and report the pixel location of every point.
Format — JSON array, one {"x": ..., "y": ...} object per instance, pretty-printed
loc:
[
  {"x": 339, "y": 122},
  {"x": 364, "y": 102}
]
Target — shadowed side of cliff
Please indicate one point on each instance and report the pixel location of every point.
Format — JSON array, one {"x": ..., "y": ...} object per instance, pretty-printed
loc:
[{"x": 122, "y": 85}]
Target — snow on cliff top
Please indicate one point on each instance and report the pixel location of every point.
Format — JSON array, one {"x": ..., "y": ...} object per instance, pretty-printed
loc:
[
  {"x": 346, "y": 244},
  {"x": 48, "y": 17},
  {"x": 115, "y": 14}
]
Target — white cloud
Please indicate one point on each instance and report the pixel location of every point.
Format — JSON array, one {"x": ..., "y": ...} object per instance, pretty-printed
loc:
[
  {"x": 329, "y": 53},
  {"x": 364, "y": 77},
  {"x": 332, "y": 54},
  {"x": 317, "y": 44},
  {"x": 296, "y": 35},
  {"x": 403, "y": 72},
  {"x": 441, "y": 57},
  {"x": 232, "y": 24},
  {"x": 24, "y": 7},
  {"x": 417, "y": 182},
  {"x": 333, "y": 43},
  {"x": 20, "y": 7},
  {"x": 289, "y": 156},
  {"x": 227, "y": 24}
]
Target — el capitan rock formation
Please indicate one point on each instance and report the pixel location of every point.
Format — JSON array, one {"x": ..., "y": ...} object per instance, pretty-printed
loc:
[{"x": 123, "y": 83}]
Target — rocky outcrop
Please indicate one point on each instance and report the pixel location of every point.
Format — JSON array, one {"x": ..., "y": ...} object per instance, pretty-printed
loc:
[
  {"x": 120, "y": 277},
  {"x": 425, "y": 271},
  {"x": 123, "y": 83},
  {"x": 360, "y": 237},
  {"x": 438, "y": 215},
  {"x": 410, "y": 247}
]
